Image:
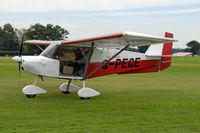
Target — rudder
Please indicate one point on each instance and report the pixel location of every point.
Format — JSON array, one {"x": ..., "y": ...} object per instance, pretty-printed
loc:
[{"x": 167, "y": 51}]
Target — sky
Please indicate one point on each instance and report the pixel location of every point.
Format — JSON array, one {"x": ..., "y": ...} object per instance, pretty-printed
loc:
[{"x": 90, "y": 18}]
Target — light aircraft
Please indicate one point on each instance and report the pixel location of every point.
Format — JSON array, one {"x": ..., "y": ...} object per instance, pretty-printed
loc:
[{"x": 93, "y": 57}]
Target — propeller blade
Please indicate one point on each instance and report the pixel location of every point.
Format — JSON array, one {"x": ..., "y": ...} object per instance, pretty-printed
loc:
[
  {"x": 20, "y": 52},
  {"x": 21, "y": 47}
]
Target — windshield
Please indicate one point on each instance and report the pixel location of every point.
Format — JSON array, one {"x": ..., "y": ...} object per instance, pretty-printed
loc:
[{"x": 50, "y": 50}]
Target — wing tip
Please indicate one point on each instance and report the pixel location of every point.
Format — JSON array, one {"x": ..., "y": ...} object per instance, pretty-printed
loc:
[
  {"x": 129, "y": 33},
  {"x": 39, "y": 42}
]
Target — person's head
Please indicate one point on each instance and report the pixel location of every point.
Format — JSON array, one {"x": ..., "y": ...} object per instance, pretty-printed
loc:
[{"x": 78, "y": 52}]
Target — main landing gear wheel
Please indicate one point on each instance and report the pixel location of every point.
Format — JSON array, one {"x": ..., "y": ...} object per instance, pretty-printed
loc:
[
  {"x": 85, "y": 93},
  {"x": 66, "y": 88},
  {"x": 85, "y": 98},
  {"x": 31, "y": 95},
  {"x": 65, "y": 92}
]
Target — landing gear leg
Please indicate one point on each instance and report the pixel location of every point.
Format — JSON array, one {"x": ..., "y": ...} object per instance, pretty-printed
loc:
[{"x": 66, "y": 91}]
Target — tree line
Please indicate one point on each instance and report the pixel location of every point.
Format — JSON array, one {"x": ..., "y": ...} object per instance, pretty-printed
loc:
[{"x": 10, "y": 39}]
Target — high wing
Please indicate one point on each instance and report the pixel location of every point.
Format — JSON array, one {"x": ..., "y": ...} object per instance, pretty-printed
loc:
[{"x": 118, "y": 40}]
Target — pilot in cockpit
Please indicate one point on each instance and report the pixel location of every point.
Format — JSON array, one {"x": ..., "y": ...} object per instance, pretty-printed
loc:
[{"x": 79, "y": 62}]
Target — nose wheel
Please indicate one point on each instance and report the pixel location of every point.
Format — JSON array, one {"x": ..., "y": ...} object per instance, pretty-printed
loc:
[{"x": 31, "y": 90}]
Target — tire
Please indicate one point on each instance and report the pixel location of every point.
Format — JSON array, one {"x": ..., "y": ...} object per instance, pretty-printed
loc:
[
  {"x": 31, "y": 95},
  {"x": 85, "y": 98},
  {"x": 65, "y": 92}
]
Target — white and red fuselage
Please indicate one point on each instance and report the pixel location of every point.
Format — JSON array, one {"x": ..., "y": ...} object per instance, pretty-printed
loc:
[
  {"x": 126, "y": 62},
  {"x": 94, "y": 57}
]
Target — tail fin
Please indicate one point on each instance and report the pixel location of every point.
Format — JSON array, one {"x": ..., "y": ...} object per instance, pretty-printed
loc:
[
  {"x": 167, "y": 51},
  {"x": 163, "y": 50}
]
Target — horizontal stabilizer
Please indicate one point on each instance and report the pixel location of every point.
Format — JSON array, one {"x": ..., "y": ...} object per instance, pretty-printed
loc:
[{"x": 154, "y": 50}]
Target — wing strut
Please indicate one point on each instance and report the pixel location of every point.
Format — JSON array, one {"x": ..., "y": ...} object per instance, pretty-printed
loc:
[
  {"x": 39, "y": 47},
  {"x": 104, "y": 63}
]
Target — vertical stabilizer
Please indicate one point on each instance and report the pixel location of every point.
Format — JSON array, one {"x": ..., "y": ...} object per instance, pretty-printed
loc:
[{"x": 166, "y": 53}]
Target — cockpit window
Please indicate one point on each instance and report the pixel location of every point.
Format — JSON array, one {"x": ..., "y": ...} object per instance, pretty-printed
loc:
[
  {"x": 72, "y": 60},
  {"x": 50, "y": 50}
]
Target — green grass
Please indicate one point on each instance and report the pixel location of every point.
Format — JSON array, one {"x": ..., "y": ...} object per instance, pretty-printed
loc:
[{"x": 163, "y": 102}]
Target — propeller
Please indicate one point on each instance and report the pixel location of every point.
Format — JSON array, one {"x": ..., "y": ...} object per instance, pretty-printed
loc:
[
  {"x": 19, "y": 57},
  {"x": 20, "y": 53},
  {"x": 21, "y": 47}
]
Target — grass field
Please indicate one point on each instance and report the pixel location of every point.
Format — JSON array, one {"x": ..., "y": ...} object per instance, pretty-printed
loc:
[{"x": 163, "y": 102}]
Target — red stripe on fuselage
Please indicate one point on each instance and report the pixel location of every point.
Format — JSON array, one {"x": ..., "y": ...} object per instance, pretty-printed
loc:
[{"x": 132, "y": 65}]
